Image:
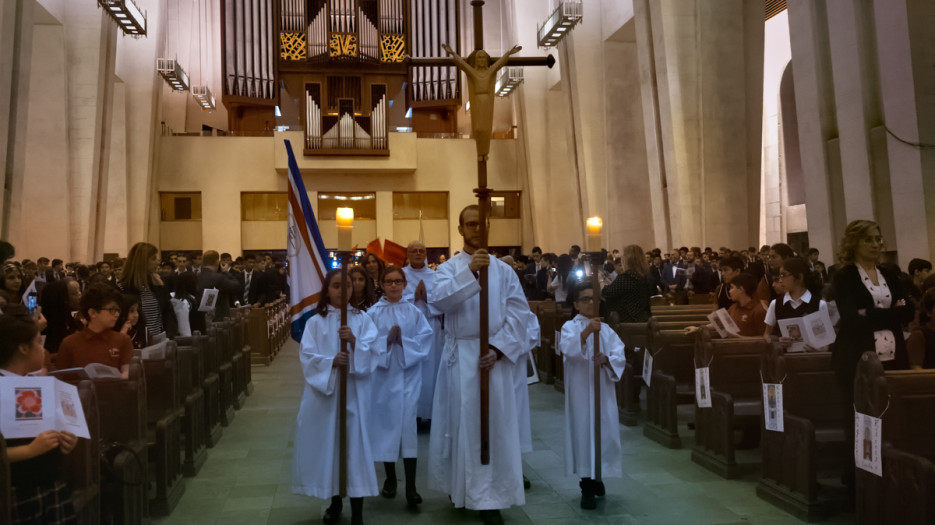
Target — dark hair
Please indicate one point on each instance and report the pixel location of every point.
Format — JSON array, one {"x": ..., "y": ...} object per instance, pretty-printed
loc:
[
  {"x": 225, "y": 255},
  {"x": 250, "y": 257},
  {"x": 536, "y": 249},
  {"x": 473, "y": 207},
  {"x": 56, "y": 262},
  {"x": 325, "y": 301},
  {"x": 381, "y": 265},
  {"x": 394, "y": 268},
  {"x": 926, "y": 305},
  {"x": 576, "y": 248},
  {"x": 17, "y": 328},
  {"x": 783, "y": 250},
  {"x": 582, "y": 286},
  {"x": 54, "y": 301},
  {"x": 82, "y": 272},
  {"x": 369, "y": 296},
  {"x": 746, "y": 282},
  {"x": 42, "y": 260},
  {"x": 126, "y": 302},
  {"x": 799, "y": 267},
  {"x": 811, "y": 251},
  {"x": 916, "y": 265},
  {"x": 563, "y": 266},
  {"x": 97, "y": 297},
  {"x": 733, "y": 263}
]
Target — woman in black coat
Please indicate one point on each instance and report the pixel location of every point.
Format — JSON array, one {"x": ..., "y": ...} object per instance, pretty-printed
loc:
[{"x": 873, "y": 308}]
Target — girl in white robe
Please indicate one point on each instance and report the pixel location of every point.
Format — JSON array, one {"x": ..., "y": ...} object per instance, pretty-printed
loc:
[
  {"x": 577, "y": 346},
  {"x": 316, "y": 458},
  {"x": 397, "y": 382}
]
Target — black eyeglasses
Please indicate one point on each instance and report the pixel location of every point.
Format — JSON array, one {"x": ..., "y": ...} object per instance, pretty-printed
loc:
[
  {"x": 113, "y": 311},
  {"x": 588, "y": 299},
  {"x": 397, "y": 282}
]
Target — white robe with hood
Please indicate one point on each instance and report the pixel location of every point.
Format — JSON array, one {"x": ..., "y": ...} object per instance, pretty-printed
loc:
[
  {"x": 397, "y": 381},
  {"x": 454, "y": 443},
  {"x": 579, "y": 400},
  {"x": 315, "y": 456}
]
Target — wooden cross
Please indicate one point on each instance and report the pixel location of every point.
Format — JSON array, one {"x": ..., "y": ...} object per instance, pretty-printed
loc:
[{"x": 481, "y": 71}]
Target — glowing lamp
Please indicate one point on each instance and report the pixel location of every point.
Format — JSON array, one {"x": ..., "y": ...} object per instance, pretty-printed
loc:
[
  {"x": 345, "y": 220},
  {"x": 594, "y": 225}
]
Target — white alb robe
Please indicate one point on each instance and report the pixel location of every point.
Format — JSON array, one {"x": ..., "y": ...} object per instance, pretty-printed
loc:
[
  {"x": 436, "y": 344},
  {"x": 454, "y": 443},
  {"x": 397, "y": 381},
  {"x": 521, "y": 383},
  {"x": 579, "y": 400},
  {"x": 316, "y": 461}
]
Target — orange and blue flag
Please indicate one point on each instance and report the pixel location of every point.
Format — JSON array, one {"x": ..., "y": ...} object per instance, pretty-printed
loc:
[{"x": 306, "y": 252}]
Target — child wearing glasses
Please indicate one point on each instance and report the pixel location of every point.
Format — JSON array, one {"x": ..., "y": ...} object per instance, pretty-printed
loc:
[
  {"x": 802, "y": 297},
  {"x": 98, "y": 342},
  {"x": 397, "y": 382},
  {"x": 577, "y": 346}
]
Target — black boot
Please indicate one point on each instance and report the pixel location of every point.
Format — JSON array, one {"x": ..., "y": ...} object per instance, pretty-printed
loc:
[
  {"x": 412, "y": 497},
  {"x": 491, "y": 517},
  {"x": 389, "y": 486},
  {"x": 333, "y": 512},
  {"x": 588, "y": 500},
  {"x": 357, "y": 511}
]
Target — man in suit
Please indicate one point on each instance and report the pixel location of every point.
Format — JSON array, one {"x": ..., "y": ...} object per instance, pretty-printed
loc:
[
  {"x": 246, "y": 278},
  {"x": 528, "y": 279},
  {"x": 226, "y": 284},
  {"x": 671, "y": 271}
]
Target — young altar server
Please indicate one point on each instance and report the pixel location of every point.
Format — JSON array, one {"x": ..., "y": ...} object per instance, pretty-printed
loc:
[
  {"x": 577, "y": 345},
  {"x": 397, "y": 382},
  {"x": 316, "y": 466}
]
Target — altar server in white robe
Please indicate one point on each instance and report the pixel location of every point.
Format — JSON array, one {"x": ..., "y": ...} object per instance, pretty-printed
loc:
[
  {"x": 397, "y": 382},
  {"x": 577, "y": 346},
  {"x": 454, "y": 444},
  {"x": 316, "y": 459},
  {"x": 420, "y": 281},
  {"x": 521, "y": 386}
]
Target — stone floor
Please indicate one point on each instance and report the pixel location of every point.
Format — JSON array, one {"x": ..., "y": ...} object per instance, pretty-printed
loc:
[{"x": 247, "y": 477}]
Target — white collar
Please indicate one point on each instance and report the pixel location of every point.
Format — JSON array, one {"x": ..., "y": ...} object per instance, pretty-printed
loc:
[
  {"x": 806, "y": 298},
  {"x": 4, "y": 372}
]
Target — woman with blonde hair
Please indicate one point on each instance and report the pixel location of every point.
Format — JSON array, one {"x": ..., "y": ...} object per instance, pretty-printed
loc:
[
  {"x": 873, "y": 308},
  {"x": 629, "y": 294},
  {"x": 140, "y": 278}
]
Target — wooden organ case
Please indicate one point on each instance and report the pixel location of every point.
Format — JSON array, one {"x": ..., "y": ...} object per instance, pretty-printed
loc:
[{"x": 341, "y": 64}]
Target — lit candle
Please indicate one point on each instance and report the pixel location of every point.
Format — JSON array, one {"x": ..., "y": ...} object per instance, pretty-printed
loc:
[
  {"x": 594, "y": 234},
  {"x": 345, "y": 220}
]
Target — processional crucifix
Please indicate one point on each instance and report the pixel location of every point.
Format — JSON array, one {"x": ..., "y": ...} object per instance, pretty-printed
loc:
[{"x": 482, "y": 76}]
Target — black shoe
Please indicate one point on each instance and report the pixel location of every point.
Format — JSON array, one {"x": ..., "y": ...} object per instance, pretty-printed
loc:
[
  {"x": 413, "y": 498},
  {"x": 491, "y": 517},
  {"x": 526, "y": 483},
  {"x": 333, "y": 512},
  {"x": 588, "y": 500},
  {"x": 389, "y": 489},
  {"x": 598, "y": 488}
]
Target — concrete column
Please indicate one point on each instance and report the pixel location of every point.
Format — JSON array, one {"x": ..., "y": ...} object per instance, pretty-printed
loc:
[
  {"x": 46, "y": 148},
  {"x": 16, "y": 28},
  {"x": 904, "y": 42},
  {"x": 385, "y": 217},
  {"x": 114, "y": 219},
  {"x": 814, "y": 98}
]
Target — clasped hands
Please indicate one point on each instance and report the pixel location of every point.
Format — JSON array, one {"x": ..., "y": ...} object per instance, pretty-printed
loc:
[{"x": 594, "y": 327}]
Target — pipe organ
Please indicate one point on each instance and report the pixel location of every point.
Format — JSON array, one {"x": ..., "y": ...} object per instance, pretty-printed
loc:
[{"x": 341, "y": 62}]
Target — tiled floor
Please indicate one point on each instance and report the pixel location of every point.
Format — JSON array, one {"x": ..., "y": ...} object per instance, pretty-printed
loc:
[{"x": 247, "y": 477}]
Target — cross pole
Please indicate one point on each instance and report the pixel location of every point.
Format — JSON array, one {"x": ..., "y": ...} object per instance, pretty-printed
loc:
[
  {"x": 596, "y": 264},
  {"x": 481, "y": 74}
]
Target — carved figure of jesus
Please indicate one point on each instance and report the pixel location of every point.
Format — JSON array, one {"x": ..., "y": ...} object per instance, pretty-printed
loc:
[{"x": 482, "y": 76}]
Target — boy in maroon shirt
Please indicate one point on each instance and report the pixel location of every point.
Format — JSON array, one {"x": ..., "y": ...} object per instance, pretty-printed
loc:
[{"x": 98, "y": 342}]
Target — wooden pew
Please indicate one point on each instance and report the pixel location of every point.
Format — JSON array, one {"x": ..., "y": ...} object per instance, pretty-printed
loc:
[
  {"x": 635, "y": 340},
  {"x": 164, "y": 430},
  {"x": 672, "y": 382},
  {"x": 905, "y": 400},
  {"x": 191, "y": 374},
  {"x": 241, "y": 351},
  {"x": 83, "y": 465},
  {"x": 736, "y": 400},
  {"x": 124, "y": 463},
  {"x": 258, "y": 336},
  {"x": 212, "y": 388},
  {"x": 225, "y": 370},
  {"x": 546, "y": 358},
  {"x": 681, "y": 309},
  {"x": 812, "y": 444}
]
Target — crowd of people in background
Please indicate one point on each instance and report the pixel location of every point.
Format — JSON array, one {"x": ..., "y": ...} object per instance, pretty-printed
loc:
[{"x": 80, "y": 314}]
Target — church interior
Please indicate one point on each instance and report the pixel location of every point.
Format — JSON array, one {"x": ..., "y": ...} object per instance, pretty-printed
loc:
[{"x": 702, "y": 123}]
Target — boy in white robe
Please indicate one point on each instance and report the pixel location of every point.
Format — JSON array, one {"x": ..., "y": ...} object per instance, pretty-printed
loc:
[
  {"x": 454, "y": 442},
  {"x": 577, "y": 346},
  {"x": 316, "y": 455},
  {"x": 397, "y": 382}
]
